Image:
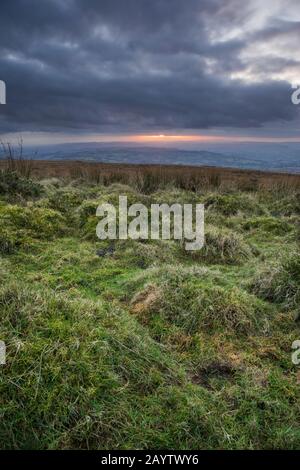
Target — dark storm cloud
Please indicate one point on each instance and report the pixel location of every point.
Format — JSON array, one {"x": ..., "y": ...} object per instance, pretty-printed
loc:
[{"x": 115, "y": 65}]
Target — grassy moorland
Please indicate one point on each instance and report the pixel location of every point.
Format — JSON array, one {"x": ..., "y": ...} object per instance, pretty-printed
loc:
[{"x": 137, "y": 344}]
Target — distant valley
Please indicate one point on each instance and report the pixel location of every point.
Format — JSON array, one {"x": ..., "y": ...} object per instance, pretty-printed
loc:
[{"x": 258, "y": 156}]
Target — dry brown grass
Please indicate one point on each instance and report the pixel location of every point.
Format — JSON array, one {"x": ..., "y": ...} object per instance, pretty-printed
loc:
[
  {"x": 147, "y": 178},
  {"x": 14, "y": 161}
]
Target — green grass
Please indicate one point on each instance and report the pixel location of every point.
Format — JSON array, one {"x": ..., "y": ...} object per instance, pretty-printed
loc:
[{"x": 142, "y": 345}]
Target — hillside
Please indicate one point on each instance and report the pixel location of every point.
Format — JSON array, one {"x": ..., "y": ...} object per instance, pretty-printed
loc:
[
  {"x": 141, "y": 344},
  {"x": 283, "y": 157}
]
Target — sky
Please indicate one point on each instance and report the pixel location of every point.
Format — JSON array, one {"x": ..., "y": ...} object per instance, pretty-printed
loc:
[{"x": 149, "y": 71}]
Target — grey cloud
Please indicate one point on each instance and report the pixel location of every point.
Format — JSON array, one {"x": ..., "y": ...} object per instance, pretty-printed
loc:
[{"x": 100, "y": 66}]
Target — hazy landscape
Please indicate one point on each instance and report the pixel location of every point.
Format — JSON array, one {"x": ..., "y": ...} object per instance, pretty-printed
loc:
[{"x": 258, "y": 156}]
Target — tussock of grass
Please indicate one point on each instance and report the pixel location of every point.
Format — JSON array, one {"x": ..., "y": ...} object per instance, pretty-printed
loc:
[
  {"x": 287, "y": 205},
  {"x": 160, "y": 272},
  {"x": 19, "y": 225},
  {"x": 280, "y": 282},
  {"x": 222, "y": 246},
  {"x": 206, "y": 307},
  {"x": 65, "y": 200},
  {"x": 173, "y": 195},
  {"x": 86, "y": 210},
  {"x": 52, "y": 183},
  {"x": 268, "y": 225},
  {"x": 11, "y": 239},
  {"x": 144, "y": 254},
  {"x": 12, "y": 184},
  {"x": 232, "y": 204}
]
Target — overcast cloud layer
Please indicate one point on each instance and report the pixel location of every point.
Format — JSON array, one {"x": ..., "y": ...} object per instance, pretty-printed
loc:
[{"x": 105, "y": 66}]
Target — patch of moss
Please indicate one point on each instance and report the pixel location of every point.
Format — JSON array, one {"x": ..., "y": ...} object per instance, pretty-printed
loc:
[
  {"x": 12, "y": 184},
  {"x": 232, "y": 204},
  {"x": 268, "y": 225},
  {"x": 33, "y": 222}
]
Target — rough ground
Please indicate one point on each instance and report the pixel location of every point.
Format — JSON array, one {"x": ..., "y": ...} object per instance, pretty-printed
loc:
[{"x": 141, "y": 344}]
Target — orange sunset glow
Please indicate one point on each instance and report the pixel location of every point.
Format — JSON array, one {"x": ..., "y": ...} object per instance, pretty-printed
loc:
[{"x": 151, "y": 138}]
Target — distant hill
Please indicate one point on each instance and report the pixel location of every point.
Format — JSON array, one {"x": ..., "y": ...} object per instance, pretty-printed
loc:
[{"x": 266, "y": 157}]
